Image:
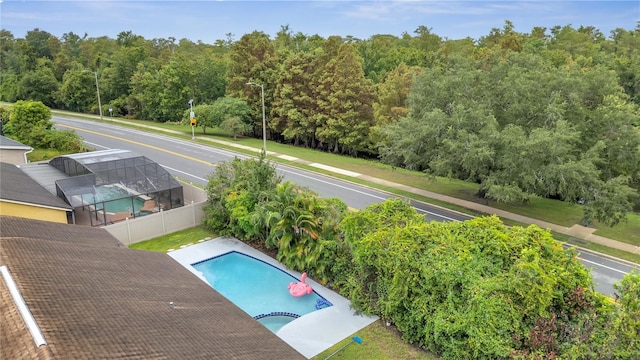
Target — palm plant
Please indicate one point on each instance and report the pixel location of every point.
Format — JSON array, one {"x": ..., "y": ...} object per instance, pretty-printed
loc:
[{"x": 298, "y": 226}]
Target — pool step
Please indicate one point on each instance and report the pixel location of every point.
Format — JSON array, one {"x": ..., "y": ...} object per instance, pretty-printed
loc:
[
  {"x": 322, "y": 303},
  {"x": 276, "y": 313}
]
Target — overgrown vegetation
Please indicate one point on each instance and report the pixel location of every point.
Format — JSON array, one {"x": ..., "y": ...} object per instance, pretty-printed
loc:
[
  {"x": 247, "y": 200},
  {"x": 476, "y": 289},
  {"x": 576, "y": 145},
  {"x": 29, "y": 122}
]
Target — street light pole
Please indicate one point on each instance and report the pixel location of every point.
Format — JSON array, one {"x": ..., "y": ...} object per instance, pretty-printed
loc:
[
  {"x": 95, "y": 73},
  {"x": 264, "y": 123}
]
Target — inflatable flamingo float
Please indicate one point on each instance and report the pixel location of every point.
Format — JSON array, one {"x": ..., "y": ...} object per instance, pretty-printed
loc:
[{"x": 300, "y": 288}]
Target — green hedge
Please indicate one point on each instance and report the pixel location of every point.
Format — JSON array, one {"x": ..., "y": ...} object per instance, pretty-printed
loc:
[{"x": 464, "y": 290}]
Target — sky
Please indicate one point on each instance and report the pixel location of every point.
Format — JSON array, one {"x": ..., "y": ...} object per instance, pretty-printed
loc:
[{"x": 210, "y": 20}]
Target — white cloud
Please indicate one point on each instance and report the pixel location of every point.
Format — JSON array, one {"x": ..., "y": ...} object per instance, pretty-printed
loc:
[{"x": 387, "y": 10}]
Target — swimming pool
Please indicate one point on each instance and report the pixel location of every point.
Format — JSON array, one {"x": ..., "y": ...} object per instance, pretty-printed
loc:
[
  {"x": 106, "y": 193},
  {"x": 310, "y": 334},
  {"x": 131, "y": 205},
  {"x": 114, "y": 199},
  {"x": 258, "y": 288}
]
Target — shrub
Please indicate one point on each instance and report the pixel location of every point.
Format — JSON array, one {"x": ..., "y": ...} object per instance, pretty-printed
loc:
[
  {"x": 474, "y": 289},
  {"x": 233, "y": 191},
  {"x": 66, "y": 141},
  {"x": 28, "y": 122}
]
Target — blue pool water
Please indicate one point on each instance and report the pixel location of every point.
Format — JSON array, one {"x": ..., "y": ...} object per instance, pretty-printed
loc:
[
  {"x": 258, "y": 288},
  {"x": 131, "y": 204},
  {"x": 114, "y": 199},
  {"x": 106, "y": 193}
]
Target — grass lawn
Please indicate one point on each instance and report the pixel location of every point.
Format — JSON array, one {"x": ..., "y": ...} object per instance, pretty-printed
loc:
[
  {"x": 42, "y": 154},
  {"x": 378, "y": 343},
  {"x": 629, "y": 229},
  {"x": 552, "y": 211},
  {"x": 174, "y": 240}
]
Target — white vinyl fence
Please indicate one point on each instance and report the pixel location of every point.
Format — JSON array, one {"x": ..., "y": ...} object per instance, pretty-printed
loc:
[{"x": 147, "y": 227}]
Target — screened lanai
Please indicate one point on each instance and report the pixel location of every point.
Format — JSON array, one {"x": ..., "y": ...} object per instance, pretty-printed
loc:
[{"x": 113, "y": 185}]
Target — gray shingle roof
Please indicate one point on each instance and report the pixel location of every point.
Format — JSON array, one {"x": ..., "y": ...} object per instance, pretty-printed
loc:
[
  {"x": 6, "y": 143},
  {"x": 95, "y": 299},
  {"x": 15, "y": 185}
]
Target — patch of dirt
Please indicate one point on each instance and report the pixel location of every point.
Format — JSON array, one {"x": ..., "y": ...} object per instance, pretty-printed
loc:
[{"x": 259, "y": 245}]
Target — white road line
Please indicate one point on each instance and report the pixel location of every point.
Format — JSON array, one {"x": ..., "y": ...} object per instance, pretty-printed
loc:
[
  {"x": 98, "y": 145},
  {"x": 434, "y": 214},
  {"x": 362, "y": 192},
  {"x": 604, "y": 266},
  {"x": 182, "y": 172},
  {"x": 331, "y": 183}
]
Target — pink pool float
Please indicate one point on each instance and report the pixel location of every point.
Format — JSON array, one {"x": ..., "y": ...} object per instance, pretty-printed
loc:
[{"x": 300, "y": 288}]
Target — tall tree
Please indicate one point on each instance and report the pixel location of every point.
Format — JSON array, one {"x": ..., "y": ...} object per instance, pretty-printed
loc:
[
  {"x": 40, "y": 44},
  {"x": 427, "y": 43},
  {"x": 253, "y": 59},
  {"x": 392, "y": 93},
  {"x": 346, "y": 99},
  {"x": 521, "y": 127},
  {"x": 293, "y": 107},
  {"x": 77, "y": 91},
  {"x": 39, "y": 84}
]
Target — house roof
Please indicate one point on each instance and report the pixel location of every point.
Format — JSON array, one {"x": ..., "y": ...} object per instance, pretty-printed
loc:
[
  {"x": 94, "y": 298},
  {"x": 44, "y": 174},
  {"x": 17, "y": 186},
  {"x": 6, "y": 143}
]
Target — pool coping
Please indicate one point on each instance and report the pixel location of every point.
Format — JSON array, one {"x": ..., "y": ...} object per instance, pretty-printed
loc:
[{"x": 310, "y": 334}]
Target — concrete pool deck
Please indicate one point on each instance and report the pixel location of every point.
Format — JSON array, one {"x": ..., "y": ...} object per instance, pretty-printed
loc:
[{"x": 310, "y": 334}]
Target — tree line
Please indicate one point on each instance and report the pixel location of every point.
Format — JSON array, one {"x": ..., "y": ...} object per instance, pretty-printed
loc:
[{"x": 552, "y": 112}]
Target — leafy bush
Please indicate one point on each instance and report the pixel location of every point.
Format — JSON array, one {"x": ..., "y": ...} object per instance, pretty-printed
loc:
[
  {"x": 474, "y": 289},
  {"x": 66, "y": 141},
  {"x": 28, "y": 122},
  {"x": 625, "y": 332},
  {"x": 233, "y": 191},
  {"x": 302, "y": 226},
  {"x": 247, "y": 200}
]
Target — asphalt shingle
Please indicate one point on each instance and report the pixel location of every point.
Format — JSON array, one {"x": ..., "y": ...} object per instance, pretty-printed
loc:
[
  {"x": 95, "y": 299},
  {"x": 18, "y": 186}
]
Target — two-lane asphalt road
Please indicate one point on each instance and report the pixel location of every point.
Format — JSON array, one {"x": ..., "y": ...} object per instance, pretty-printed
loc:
[{"x": 194, "y": 162}]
